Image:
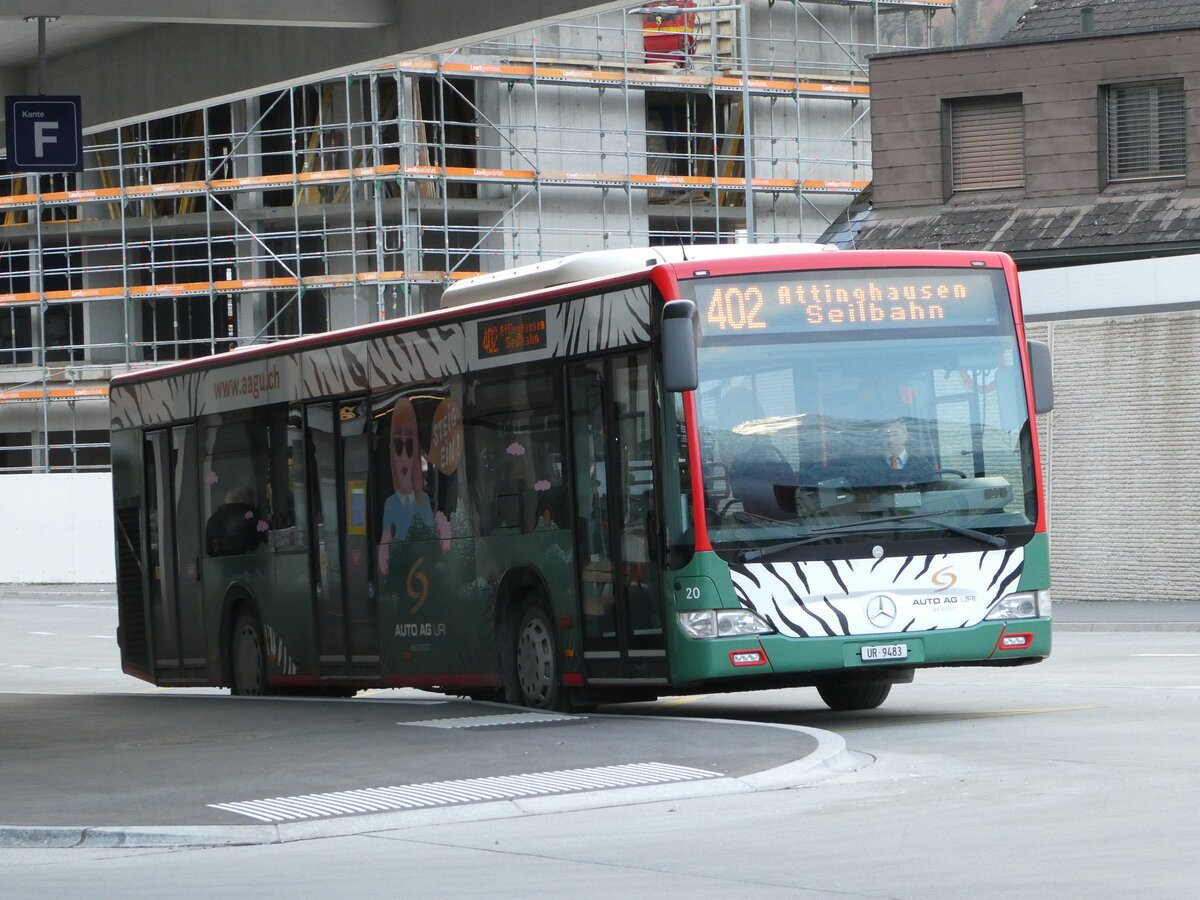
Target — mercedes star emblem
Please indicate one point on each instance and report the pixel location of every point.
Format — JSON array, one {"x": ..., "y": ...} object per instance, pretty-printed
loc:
[{"x": 881, "y": 610}]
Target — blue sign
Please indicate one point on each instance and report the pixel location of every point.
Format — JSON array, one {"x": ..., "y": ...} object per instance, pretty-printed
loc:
[{"x": 44, "y": 134}]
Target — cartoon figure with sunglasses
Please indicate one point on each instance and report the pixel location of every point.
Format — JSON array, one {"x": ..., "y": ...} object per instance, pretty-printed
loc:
[{"x": 409, "y": 502}]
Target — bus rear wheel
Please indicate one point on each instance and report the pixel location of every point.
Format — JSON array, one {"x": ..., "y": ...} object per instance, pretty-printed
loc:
[
  {"x": 247, "y": 657},
  {"x": 854, "y": 696},
  {"x": 538, "y": 680}
]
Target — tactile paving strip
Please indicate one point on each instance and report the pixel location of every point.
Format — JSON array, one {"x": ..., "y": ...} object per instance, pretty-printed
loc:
[{"x": 468, "y": 790}]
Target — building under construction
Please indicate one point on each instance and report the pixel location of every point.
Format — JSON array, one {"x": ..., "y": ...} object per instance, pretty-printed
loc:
[{"x": 344, "y": 201}]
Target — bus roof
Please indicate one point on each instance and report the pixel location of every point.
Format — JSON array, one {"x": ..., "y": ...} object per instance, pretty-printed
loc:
[
  {"x": 579, "y": 268},
  {"x": 594, "y": 264}
]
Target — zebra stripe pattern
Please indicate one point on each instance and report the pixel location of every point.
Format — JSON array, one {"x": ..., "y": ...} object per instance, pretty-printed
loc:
[
  {"x": 923, "y": 593},
  {"x": 381, "y": 361}
]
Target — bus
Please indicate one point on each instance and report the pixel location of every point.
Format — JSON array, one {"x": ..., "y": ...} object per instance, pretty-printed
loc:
[{"x": 615, "y": 476}]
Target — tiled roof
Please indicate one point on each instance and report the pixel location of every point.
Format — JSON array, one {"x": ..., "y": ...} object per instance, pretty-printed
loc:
[
  {"x": 1056, "y": 19},
  {"x": 1115, "y": 220}
]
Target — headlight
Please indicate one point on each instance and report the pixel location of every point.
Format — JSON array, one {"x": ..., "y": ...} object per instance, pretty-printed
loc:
[
  {"x": 1028, "y": 605},
  {"x": 713, "y": 623}
]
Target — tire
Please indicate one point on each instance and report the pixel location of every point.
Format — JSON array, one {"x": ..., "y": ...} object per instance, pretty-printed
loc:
[
  {"x": 247, "y": 657},
  {"x": 536, "y": 673},
  {"x": 853, "y": 696}
]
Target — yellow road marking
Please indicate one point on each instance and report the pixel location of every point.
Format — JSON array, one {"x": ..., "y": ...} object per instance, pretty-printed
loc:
[
  {"x": 679, "y": 701},
  {"x": 935, "y": 718}
]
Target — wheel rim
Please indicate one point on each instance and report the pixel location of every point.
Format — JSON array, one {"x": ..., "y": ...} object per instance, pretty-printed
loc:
[
  {"x": 247, "y": 659},
  {"x": 535, "y": 661}
]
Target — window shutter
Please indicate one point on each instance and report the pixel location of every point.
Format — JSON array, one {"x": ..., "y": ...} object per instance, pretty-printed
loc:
[
  {"x": 987, "y": 143},
  {"x": 1146, "y": 130}
]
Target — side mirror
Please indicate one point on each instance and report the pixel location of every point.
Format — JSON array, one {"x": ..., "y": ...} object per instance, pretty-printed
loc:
[
  {"x": 680, "y": 372},
  {"x": 1041, "y": 371}
]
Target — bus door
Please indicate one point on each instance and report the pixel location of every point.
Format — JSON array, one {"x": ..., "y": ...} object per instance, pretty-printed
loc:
[
  {"x": 347, "y": 616},
  {"x": 616, "y": 529},
  {"x": 176, "y": 595}
]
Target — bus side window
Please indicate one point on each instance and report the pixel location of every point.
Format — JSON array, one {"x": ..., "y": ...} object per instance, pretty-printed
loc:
[
  {"x": 289, "y": 519},
  {"x": 481, "y": 449},
  {"x": 234, "y": 467},
  {"x": 251, "y": 473},
  {"x": 515, "y": 498},
  {"x": 515, "y": 436}
]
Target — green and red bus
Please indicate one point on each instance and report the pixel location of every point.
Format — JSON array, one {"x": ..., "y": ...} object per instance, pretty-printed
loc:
[{"x": 618, "y": 475}]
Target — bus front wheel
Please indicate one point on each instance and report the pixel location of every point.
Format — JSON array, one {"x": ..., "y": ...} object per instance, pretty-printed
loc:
[
  {"x": 538, "y": 680},
  {"x": 854, "y": 696},
  {"x": 247, "y": 657}
]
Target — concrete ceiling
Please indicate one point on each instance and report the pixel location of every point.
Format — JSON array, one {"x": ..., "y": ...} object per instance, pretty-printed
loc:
[{"x": 133, "y": 59}]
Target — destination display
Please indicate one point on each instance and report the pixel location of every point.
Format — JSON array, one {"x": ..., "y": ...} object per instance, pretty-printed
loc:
[
  {"x": 849, "y": 300},
  {"x": 512, "y": 334}
]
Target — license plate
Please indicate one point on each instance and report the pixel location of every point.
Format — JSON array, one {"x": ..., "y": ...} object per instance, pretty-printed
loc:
[{"x": 884, "y": 652}]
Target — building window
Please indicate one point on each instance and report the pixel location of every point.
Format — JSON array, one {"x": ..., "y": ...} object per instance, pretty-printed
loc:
[
  {"x": 985, "y": 137},
  {"x": 1145, "y": 130}
]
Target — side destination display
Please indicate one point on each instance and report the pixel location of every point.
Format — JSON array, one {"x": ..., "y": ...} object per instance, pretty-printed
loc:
[{"x": 512, "y": 334}]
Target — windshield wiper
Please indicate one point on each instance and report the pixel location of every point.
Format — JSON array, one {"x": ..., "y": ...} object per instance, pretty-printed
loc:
[{"x": 991, "y": 540}]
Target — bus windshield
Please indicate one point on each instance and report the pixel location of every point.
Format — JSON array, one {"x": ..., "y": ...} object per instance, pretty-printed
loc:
[{"x": 851, "y": 407}]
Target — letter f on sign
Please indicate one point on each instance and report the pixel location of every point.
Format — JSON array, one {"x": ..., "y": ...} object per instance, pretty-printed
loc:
[{"x": 43, "y": 135}]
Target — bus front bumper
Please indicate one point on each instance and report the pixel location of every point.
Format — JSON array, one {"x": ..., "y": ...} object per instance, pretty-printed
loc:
[{"x": 798, "y": 660}]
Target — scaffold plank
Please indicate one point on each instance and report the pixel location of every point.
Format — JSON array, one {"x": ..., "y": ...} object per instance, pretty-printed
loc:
[
  {"x": 800, "y": 85},
  {"x": 40, "y": 394},
  {"x": 236, "y": 286},
  {"x": 448, "y": 173}
]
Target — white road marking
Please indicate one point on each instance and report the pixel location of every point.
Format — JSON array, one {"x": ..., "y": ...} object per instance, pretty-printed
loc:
[{"x": 517, "y": 718}]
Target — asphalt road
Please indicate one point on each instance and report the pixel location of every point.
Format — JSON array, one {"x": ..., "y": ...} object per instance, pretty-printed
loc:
[
  {"x": 92, "y": 757},
  {"x": 1073, "y": 778}
]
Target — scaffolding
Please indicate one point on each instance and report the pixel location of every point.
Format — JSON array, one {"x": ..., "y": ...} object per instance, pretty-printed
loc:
[{"x": 348, "y": 200}]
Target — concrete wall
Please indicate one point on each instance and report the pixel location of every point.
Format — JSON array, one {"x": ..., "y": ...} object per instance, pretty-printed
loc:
[
  {"x": 1120, "y": 457},
  {"x": 57, "y": 529},
  {"x": 1137, "y": 286},
  {"x": 1119, "y": 451}
]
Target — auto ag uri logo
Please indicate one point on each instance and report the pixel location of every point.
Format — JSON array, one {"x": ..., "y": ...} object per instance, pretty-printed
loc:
[
  {"x": 881, "y": 610},
  {"x": 944, "y": 578}
]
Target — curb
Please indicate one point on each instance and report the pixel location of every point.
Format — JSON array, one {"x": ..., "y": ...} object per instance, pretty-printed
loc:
[
  {"x": 1125, "y": 626},
  {"x": 830, "y": 758}
]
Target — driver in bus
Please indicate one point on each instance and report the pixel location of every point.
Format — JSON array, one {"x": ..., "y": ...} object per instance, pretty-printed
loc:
[{"x": 895, "y": 462}]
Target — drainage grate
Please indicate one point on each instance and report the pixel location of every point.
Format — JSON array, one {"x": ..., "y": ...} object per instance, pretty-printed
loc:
[
  {"x": 468, "y": 790},
  {"x": 528, "y": 718}
]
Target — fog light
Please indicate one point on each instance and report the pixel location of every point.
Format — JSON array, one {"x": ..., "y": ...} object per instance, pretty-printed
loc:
[
  {"x": 747, "y": 657},
  {"x": 1018, "y": 641}
]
